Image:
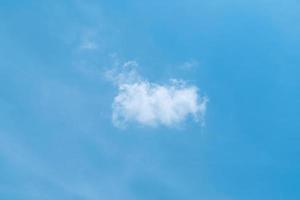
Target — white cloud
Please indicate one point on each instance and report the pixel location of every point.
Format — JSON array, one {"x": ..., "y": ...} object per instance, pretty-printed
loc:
[{"x": 150, "y": 104}]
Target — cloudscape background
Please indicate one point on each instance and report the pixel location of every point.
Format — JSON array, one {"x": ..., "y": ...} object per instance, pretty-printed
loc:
[{"x": 58, "y": 137}]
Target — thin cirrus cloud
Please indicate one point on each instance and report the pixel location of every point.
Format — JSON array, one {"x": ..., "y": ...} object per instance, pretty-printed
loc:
[{"x": 142, "y": 102}]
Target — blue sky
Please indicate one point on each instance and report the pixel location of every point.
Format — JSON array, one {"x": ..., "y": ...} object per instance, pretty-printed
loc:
[{"x": 58, "y": 138}]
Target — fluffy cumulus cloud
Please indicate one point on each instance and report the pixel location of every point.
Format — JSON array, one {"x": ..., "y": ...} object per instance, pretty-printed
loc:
[{"x": 151, "y": 104}]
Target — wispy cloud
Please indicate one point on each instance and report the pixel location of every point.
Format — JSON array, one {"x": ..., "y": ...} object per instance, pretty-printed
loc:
[
  {"x": 188, "y": 65},
  {"x": 88, "y": 45},
  {"x": 151, "y": 104},
  {"x": 88, "y": 40}
]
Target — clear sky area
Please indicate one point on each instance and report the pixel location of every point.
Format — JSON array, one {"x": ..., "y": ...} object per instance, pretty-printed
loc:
[{"x": 149, "y": 100}]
